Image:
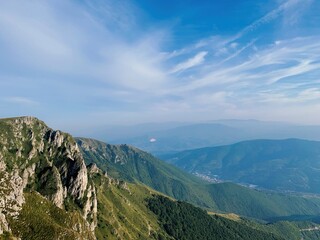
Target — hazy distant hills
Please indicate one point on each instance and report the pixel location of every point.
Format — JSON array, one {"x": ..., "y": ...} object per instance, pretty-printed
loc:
[
  {"x": 173, "y": 137},
  {"x": 131, "y": 164},
  {"x": 291, "y": 165},
  {"x": 185, "y": 137}
]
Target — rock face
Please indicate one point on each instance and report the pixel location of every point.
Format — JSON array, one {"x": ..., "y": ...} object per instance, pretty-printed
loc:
[{"x": 34, "y": 157}]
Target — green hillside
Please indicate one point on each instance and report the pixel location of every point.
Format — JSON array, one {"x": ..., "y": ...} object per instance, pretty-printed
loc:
[
  {"x": 244, "y": 201},
  {"x": 286, "y": 165},
  {"x": 185, "y": 222},
  {"x": 129, "y": 163},
  {"x": 47, "y": 192}
]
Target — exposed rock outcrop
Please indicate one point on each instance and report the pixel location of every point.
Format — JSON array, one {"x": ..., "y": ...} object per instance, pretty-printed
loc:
[
  {"x": 90, "y": 209},
  {"x": 11, "y": 197},
  {"x": 33, "y": 156}
]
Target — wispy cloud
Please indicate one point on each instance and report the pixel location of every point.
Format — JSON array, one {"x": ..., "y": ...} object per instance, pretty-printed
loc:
[
  {"x": 238, "y": 52},
  {"x": 45, "y": 44},
  {"x": 273, "y": 14},
  {"x": 189, "y": 63},
  {"x": 288, "y": 9},
  {"x": 270, "y": 65},
  {"x": 301, "y": 97},
  {"x": 93, "y": 57}
]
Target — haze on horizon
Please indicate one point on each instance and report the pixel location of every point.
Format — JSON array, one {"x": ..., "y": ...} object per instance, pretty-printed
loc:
[{"x": 87, "y": 63}]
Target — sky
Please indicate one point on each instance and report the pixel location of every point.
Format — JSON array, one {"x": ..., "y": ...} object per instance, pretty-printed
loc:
[{"x": 84, "y": 63}]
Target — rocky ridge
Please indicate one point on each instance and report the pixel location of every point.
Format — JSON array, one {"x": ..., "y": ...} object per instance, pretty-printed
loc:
[{"x": 33, "y": 157}]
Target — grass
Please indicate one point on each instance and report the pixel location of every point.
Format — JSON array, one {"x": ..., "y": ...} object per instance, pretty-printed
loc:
[
  {"x": 123, "y": 214},
  {"x": 40, "y": 219}
]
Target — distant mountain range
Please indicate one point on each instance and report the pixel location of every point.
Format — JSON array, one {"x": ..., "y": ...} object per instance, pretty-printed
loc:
[
  {"x": 174, "y": 137},
  {"x": 286, "y": 165},
  {"x": 131, "y": 164},
  {"x": 52, "y": 189}
]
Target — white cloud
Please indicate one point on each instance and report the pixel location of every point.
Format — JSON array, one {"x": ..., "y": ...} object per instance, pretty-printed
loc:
[
  {"x": 288, "y": 9},
  {"x": 38, "y": 37},
  {"x": 234, "y": 45},
  {"x": 292, "y": 13},
  {"x": 283, "y": 98},
  {"x": 221, "y": 52},
  {"x": 286, "y": 59},
  {"x": 98, "y": 58},
  {"x": 189, "y": 63},
  {"x": 284, "y": 7},
  {"x": 238, "y": 52}
]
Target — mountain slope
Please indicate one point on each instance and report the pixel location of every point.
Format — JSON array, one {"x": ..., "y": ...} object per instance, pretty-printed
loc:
[
  {"x": 47, "y": 192},
  {"x": 185, "y": 222},
  {"x": 287, "y": 165},
  {"x": 132, "y": 164},
  {"x": 36, "y": 159},
  {"x": 135, "y": 165}
]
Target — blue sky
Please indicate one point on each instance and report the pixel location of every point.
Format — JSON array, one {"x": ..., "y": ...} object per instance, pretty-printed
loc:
[{"x": 79, "y": 64}]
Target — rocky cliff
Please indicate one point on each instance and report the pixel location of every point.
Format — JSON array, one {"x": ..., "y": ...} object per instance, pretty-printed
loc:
[
  {"x": 35, "y": 158},
  {"x": 47, "y": 191}
]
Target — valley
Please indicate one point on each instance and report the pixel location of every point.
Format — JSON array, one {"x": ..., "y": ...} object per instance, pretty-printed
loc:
[{"x": 81, "y": 188}]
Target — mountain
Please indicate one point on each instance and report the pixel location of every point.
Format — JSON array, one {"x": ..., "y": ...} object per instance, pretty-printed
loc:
[
  {"x": 285, "y": 165},
  {"x": 131, "y": 164},
  {"x": 174, "y": 137},
  {"x": 42, "y": 171},
  {"x": 47, "y": 192}
]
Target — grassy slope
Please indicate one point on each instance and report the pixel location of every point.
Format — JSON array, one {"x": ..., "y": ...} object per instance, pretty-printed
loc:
[
  {"x": 132, "y": 164},
  {"x": 125, "y": 213},
  {"x": 122, "y": 212},
  {"x": 40, "y": 219},
  {"x": 135, "y": 165}
]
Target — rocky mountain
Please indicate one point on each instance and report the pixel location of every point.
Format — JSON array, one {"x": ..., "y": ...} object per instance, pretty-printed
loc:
[
  {"x": 44, "y": 163},
  {"x": 48, "y": 192},
  {"x": 285, "y": 165}
]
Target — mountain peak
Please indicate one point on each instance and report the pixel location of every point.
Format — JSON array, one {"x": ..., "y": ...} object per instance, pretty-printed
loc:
[{"x": 37, "y": 158}]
